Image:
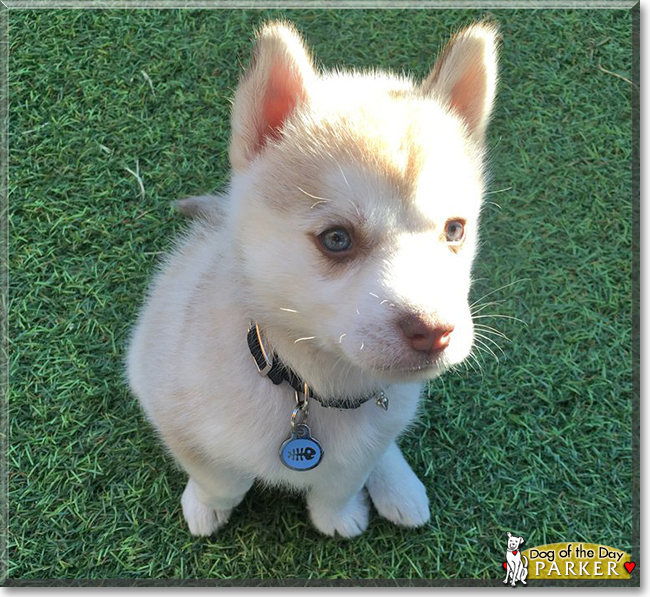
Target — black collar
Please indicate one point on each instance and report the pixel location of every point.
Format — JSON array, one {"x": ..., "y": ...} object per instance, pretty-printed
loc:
[{"x": 272, "y": 367}]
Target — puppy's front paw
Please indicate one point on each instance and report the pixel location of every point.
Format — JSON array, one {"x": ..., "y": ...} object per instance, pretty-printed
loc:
[
  {"x": 401, "y": 498},
  {"x": 202, "y": 520},
  {"x": 349, "y": 521}
]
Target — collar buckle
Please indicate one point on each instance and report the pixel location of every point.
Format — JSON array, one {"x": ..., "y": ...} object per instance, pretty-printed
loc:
[{"x": 261, "y": 356}]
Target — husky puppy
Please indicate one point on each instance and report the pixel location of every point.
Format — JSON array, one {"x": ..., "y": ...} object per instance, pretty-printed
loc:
[{"x": 337, "y": 264}]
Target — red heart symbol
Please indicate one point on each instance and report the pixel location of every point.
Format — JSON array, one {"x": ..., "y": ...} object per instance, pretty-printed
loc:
[
  {"x": 515, "y": 552},
  {"x": 505, "y": 565},
  {"x": 629, "y": 566}
]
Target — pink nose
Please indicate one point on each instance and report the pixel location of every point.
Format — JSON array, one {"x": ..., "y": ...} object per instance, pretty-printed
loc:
[{"x": 424, "y": 336}]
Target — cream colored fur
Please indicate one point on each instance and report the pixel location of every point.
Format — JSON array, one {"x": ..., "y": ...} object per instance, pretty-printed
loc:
[{"x": 382, "y": 154}]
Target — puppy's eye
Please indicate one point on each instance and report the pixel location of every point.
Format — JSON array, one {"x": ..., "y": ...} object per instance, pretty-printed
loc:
[
  {"x": 336, "y": 240},
  {"x": 454, "y": 231}
]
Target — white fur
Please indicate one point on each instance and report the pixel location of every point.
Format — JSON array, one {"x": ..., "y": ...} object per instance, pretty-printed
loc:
[{"x": 346, "y": 152}]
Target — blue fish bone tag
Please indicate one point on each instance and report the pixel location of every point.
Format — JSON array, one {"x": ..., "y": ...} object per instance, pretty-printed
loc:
[{"x": 301, "y": 452}]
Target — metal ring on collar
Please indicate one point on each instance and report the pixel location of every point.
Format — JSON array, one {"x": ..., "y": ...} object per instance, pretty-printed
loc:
[
  {"x": 294, "y": 417},
  {"x": 306, "y": 393}
]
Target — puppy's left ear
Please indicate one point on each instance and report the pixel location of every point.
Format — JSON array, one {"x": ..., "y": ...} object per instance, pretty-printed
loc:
[
  {"x": 521, "y": 540},
  {"x": 465, "y": 76}
]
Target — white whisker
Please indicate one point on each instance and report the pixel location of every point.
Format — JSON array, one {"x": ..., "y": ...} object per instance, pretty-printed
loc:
[
  {"x": 500, "y": 288},
  {"x": 484, "y": 345},
  {"x": 487, "y": 329},
  {"x": 469, "y": 365},
  {"x": 473, "y": 357},
  {"x": 320, "y": 199},
  {"x": 288, "y": 310},
  {"x": 305, "y": 338},
  {"x": 356, "y": 208},
  {"x": 491, "y": 341},
  {"x": 341, "y": 337},
  {"x": 373, "y": 294},
  {"x": 343, "y": 174},
  {"x": 347, "y": 373},
  {"x": 483, "y": 306},
  {"x": 498, "y": 191},
  {"x": 499, "y": 315},
  {"x": 481, "y": 351}
]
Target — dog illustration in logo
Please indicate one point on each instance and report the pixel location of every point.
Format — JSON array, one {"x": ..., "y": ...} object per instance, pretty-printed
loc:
[{"x": 516, "y": 569}]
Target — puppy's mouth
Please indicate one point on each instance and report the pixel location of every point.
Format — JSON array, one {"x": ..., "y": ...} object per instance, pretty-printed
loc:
[
  {"x": 388, "y": 356},
  {"x": 429, "y": 368}
]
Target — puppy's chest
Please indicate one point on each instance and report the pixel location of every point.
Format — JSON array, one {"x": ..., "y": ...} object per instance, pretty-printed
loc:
[{"x": 350, "y": 439}]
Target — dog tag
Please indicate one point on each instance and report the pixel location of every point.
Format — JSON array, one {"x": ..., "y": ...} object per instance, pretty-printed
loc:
[{"x": 301, "y": 452}]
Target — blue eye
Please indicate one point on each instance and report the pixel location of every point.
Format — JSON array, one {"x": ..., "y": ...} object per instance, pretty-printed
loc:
[
  {"x": 336, "y": 240},
  {"x": 454, "y": 231}
]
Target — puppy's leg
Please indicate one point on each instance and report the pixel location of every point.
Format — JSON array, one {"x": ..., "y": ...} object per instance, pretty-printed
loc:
[
  {"x": 505, "y": 582},
  {"x": 396, "y": 491},
  {"x": 210, "y": 496},
  {"x": 340, "y": 506}
]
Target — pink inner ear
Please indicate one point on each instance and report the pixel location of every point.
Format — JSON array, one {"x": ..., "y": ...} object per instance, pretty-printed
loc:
[
  {"x": 468, "y": 95},
  {"x": 283, "y": 91}
]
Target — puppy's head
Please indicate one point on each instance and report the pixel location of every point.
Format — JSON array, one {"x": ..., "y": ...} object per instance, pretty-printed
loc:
[{"x": 357, "y": 201}]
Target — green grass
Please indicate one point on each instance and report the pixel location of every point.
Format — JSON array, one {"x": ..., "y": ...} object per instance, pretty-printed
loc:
[{"x": 539, "y": 443}]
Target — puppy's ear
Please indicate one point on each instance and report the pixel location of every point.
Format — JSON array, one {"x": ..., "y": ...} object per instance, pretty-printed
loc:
[
  {"x": 465, "y": 76},
  {"x": 509, "y": 534},
  {"x": 521, "y": 540},
  {"x": 204, "y": 206},
  {"x": 277, "y": 81}
]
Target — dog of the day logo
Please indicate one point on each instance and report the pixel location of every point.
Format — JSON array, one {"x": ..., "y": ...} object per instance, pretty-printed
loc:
[{"x": 568, "y": 561}]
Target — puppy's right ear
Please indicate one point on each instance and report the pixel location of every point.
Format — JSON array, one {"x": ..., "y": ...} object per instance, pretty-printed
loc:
[
  {"x": 277, "y": 82},
  {"x": 509, "y": 534}
]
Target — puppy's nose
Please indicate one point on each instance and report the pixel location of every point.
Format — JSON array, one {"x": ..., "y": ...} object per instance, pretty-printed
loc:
[{"x": 424, "y": 336}]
